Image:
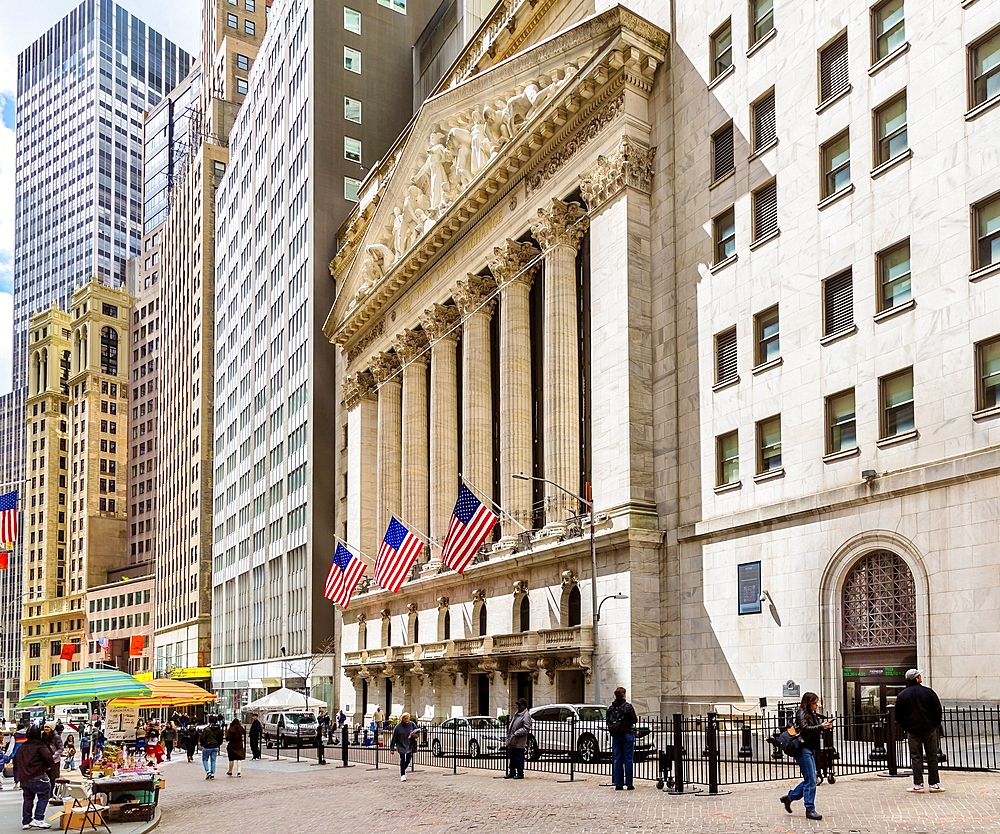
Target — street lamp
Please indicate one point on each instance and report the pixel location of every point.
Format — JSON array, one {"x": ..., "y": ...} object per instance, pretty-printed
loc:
[{"x": 596, "y": 615}]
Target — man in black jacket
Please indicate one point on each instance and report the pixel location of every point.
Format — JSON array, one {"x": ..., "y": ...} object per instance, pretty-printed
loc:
[
  {"x": 256, "y": 731},
  {"x": 918, "y": 712},
  {"x": 211, "y": 741}
]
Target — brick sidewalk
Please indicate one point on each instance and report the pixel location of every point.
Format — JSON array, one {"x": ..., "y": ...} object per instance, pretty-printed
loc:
[{"x": 288, "y": 798}]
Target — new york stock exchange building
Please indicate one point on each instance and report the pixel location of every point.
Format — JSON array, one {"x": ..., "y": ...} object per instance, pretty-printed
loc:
[{"x": 617, "y": 253}]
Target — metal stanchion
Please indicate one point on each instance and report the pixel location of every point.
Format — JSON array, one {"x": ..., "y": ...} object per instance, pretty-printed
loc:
[
  {"x": 343, "y": 747},
  {"x": 678, "y": 754},
  {"x": 712, "y": 742}
]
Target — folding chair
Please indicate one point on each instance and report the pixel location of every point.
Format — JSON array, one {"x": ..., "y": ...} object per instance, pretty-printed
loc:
[{"x": 93, "y": 812}]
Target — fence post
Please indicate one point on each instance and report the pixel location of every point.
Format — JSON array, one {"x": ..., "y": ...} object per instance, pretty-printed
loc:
[
  {"x": 712, "y": 742},
  {"x": 454, "y": 749},
  {"x": 298, "y": 742},
  {"x": 890, "y": 732},
  {"x": 376, "y": 745},
  {"x": 678, "y": 753},
  {"x": 343, "y": 744}
]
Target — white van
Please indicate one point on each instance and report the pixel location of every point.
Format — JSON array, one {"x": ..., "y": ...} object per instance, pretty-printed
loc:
[{"x": 76, "y": 714}]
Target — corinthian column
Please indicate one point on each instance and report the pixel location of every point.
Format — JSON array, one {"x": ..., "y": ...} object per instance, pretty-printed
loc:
[
  {"x": 508, "y": 266},
  {"x": 411, "y": 347},
  {"x": 362, "y": 460},
  {"x": 559, "y": 228},
  {"x": 385, "y": 370},
  {"x": 471, "y": 294},
  {"x": 441, "y": 324}
]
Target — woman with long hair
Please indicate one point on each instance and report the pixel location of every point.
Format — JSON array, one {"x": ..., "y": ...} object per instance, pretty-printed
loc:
[
  {"x": 808, "y": 724},
  {"x": 236, "y": 747}
]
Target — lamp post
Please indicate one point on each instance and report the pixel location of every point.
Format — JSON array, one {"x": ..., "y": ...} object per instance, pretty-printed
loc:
[{"x": 595, "y": 616}]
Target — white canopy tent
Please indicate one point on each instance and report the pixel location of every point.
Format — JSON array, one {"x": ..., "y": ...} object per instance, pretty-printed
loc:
[{"x": 285, "y": 699}]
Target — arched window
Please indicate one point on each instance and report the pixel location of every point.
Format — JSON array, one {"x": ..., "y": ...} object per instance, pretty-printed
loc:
[
  {"x": 524, "y": 614},
  {"x": 447, "y": 626},
  {"x": 879, "y": 603},
  {"x": 109, "y": 351},
  {"x": 482, "y": 619},
  {"x": 362, "y": 634},
  {"x": 386, "y": 632},
  {"x": 573, "y": 615},
  {"x": 414, "y": 628}
]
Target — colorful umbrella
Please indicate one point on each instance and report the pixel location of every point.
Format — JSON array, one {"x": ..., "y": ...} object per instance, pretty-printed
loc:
[
  {"x": 165, "y": 692},
  {"x": 82, "y": 687}
]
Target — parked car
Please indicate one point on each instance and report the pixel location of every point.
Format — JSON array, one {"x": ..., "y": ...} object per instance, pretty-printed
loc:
[
  {"x": 290, "y": 727},
  {"x": 580, "y": 729},
  {"x": 475, "y": 736}
]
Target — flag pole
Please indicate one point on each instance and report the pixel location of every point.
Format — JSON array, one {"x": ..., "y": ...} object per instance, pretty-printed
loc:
[
  {"x": 426, "y": 539},
  {"x": 481, "y": 494},
  {"x": 354, "y": 549}
]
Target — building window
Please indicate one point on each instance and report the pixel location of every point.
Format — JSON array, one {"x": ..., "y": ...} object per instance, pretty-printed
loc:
[
  {"x": 351, "y": 187},
  {"x": 888, "y": 29},
  {"x": 767, "y": 333},
  {"x": 896, "y": 393},
  {"x": 241, "y": 86},
  {"x": 249, "y": 27},
  {"x": 838, "y": 303},
  {"x": 765, "y": 211},
  {"x": 725, "y": 357},
  {"x": 890, "y": 130},
  {"x": 352, "y": 60},
  {"x": 352, "y": 110},
  {"x": 727, "y": 451},
  {"x": 761, "y": 19},
  {"x": 352, "y": 21},
  {"x": 250, "y": 5},
  {"x": 764, "y": 129},
  {"x": 109, "y": 351},
  {"x": 837, "y": 164},
  {"x": 988, "y": 362},
  {"x": 725, "y": 235},
  {"x": 723, "y": 159},
  {"x": 769, "y": 445},
  {"x": 841, "y": 424},
  {"x": 834, "y": 76},
  {"x": 233, "y": 21},
  {"x": 395, "y": 5},
  {"x": 987, "y": 218},
  {"x": 894, "y": 276},
  {"x": 985, "y": 60},
  {"x": 722, "y": 49},
  {"x": 352, "y": 149},
  {"x": 243, "y": 62}
]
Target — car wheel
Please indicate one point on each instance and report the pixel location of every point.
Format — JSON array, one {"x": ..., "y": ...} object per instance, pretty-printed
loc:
[
  {"x": 587, "y": 750},
  {"x": 436, "y": 748},
  {"x": 474, "y": 749},
  {"x": 531, "y": 751}
]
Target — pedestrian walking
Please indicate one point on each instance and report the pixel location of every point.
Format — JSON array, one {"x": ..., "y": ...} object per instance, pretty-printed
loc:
[
  {"x": 378, "y": 723},
  {"x": 168, "y": 736},
  {"x": 211, "y": 741},
  {"x": 189, "y": 739},
  {"x": 404, "y": 742},
  {"x": 517, "y": 736},
  {"x": 808, "y": 726},
  {"x": 33, "y": 764},
  {"x": 69, "y": 753},
  {"x": 621, "y": 720},
  {"x": 256, "y": 731},
  {"x": 918, "y": 712},
  {"x": 236, "y": 747}
]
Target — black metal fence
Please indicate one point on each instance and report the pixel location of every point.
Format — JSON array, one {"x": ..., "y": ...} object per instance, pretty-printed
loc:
[{"x": 715, "y": 750}]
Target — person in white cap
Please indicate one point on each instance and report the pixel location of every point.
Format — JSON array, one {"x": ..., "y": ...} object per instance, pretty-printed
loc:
[{"x": 918, "y": 712}]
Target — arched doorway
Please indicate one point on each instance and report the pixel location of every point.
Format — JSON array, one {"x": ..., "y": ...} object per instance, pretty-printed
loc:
[{"x": 879, "y": 632}]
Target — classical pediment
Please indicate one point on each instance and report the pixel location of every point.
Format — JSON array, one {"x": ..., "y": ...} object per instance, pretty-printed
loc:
[{"x": 472, "y": 142}]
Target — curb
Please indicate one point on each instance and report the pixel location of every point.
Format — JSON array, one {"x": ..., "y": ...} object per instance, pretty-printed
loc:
[{"x": 149, "y": 826}]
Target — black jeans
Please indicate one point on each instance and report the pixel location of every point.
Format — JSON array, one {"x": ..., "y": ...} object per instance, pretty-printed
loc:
[
  {"x": 255, "y": 746},
  {"x": 921, "y": 744}
]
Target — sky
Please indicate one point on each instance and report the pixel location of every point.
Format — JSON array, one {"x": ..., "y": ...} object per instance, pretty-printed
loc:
[{"x": 178, "y": 20}]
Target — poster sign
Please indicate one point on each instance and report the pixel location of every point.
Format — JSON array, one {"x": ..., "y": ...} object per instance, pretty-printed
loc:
[
  {"x": 119, "y": 723},
  {"x": 749, "y": 587}
]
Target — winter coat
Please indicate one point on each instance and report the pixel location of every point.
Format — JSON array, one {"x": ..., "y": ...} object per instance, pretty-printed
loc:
[
  {"x": 401, "y": 741},
  {"x": 168, "y": 734},
  {"x": 518, "y": 729},
  {"x": 256, "y": 729},
  {"x": 809, "y": 725},
  {"x": 918, "y": 708},
  {"x": 211, "y": 737},
  {"x": 236, "y": 743},
  {"x": 623, "y": 714},
  {"x": 33, "y": 760}
]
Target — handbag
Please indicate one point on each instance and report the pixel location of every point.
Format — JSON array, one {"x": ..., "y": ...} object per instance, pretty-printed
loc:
[{"x": 788, "y": 741}]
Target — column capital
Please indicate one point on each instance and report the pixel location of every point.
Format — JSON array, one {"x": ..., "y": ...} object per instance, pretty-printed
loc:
[
  {"x": 439, "y": 322},
  {"x": 383, "y": 366},
  {"x": 510, "y": 259},
  {"x": 629, "y": 165},
  {"x": 410, "y": 345},
  {"x": 358, "y": 387},
  {"x": 559, "y": 224},
  {"x": 473, "y": 294}
]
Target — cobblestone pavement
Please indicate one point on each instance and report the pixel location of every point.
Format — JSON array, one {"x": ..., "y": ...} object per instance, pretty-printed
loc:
[{"x": 286, "y": 798}]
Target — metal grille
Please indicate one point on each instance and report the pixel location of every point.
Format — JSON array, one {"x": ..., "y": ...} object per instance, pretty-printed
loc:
[
  {"x": 765, "y": 210},
  {"x": 879, "y": 603},
  {"x": 765, "y": 130},
  {"x": 723, "y": 160},
  {"x": 839, "y": 303},
  {"x": 833, "y": 72},
  {"x": 725, "y": 356}
]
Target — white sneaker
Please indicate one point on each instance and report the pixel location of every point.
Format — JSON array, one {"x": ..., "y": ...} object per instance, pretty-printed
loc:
[
  {"x": 915, "y": 789},
  {"x": 402, "y": 778},
  {"x": 936, "y": 789},
  {"x": 40, "y": 824}
]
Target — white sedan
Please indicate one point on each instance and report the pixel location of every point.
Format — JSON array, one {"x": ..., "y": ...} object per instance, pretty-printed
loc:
[{"x": 474, "y": 736}]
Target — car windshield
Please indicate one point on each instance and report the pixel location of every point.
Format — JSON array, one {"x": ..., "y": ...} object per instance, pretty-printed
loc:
[
  {"x": 485, "y": 724},
  {"x": 592, "y": 713},
  {"x": 300, "y": 718}
]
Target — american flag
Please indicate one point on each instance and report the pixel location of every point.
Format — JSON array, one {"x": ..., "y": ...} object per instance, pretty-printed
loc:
[
  {"x": 345, "y": 572},
  {"x": 8, "y": 520},
  {"x": 470, "y": 524},
  {"x": 396, "y": 555},
  {"x": 105, "y": 644}
]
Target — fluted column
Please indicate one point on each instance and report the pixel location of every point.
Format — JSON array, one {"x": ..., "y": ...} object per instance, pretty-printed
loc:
[
  {"x": 474, "y": 297},
  {"x": 559, "y": 228},
  {"x": 509, "y": 267},
  {"x": 411, "y": 346},
  {"x": 441, "y": 325},
  {"x": 388, "y": 496},
  {"x": 361, "y": 401}
]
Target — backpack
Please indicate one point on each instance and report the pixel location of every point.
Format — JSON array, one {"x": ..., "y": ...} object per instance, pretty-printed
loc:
[{"x": 616, "y": 719}]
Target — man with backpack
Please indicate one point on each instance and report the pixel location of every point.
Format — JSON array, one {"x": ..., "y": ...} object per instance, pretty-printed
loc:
[{"x": 621, "y": 724}]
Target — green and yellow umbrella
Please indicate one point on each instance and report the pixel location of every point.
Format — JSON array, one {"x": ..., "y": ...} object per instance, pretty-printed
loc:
[{"x": 82, "y": 687}]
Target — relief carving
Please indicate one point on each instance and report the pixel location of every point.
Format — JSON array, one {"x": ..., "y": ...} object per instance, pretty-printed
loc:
[
  {"x": 560, "y": 224},
  {"x": 630, "y": 165},
  {"x": 384, "y": 367},
  {"x": 514, "y": 261},
  {"x": 411, "y": 345},
  {"x": 475, "y": 293},
  {"x": 366, "y": 341},
  {"x": 357, "y": 387},
  {"x": 441, "y": 321}
]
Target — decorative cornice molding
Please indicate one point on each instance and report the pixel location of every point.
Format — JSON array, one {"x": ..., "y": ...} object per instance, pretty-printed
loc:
[
  {"x": 366, "y": 341},
  {"x": 629, "y": 165},
  {"x": 384, "y": 366},
  {"x": 510, "y": 262},
  {"x": 357, "y": 387},
  {"x": 475, "y": 294},
  {"x": 439, "y": 322},
  {"x": 411, "y": 345},
  {"x": 560, "y": 224}
]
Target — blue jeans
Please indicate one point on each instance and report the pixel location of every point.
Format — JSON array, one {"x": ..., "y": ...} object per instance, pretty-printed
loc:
[
  {"x": 405, "y": 760},
  {"x": 806, "y": 789},
  {"x": 623, "y": 748},
  {"x": 208, "y": 758},
  {"x": 35, "y": 789}
]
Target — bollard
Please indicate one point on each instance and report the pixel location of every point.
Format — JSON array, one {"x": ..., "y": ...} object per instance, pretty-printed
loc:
[
  {"x": 320, "y": 749},
  {"x": 454, "y": 749},
  {"x": 712, "y": 742},
  {"x": 343, "y": 745},
  {"x": 891, "y": 741},
  {"x": 298, "y": 742},
  {"x": 746, "y": 742},
  {"x": 678, "y": 753},
  {"x": 376, "y": 746},
  {"x": 878, "y": 741}
]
